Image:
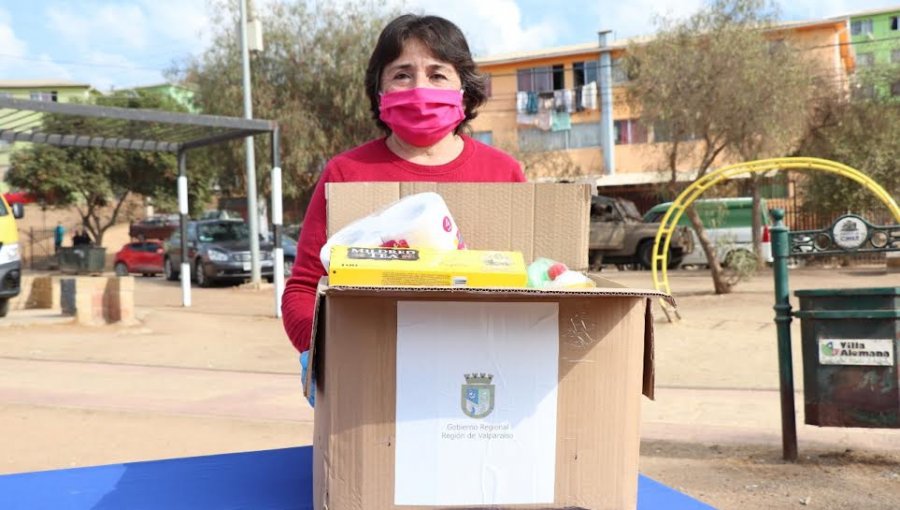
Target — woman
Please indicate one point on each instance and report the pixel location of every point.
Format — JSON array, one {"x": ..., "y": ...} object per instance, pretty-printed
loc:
[{"x": 424, "y": 88}]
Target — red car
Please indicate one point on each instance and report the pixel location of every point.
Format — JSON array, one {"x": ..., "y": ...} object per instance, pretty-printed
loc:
[{"x": 140, "y": 257}]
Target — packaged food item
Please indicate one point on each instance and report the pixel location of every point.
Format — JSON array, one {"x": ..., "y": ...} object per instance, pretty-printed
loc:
[
  {"x": 547, "y": 273},
  {"x": 415, "y": 267},
  {"x": 420, "y": 221}
]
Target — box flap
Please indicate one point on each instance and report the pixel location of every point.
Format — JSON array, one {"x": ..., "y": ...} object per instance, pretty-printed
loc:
[
  {"x": 318, "y": 318},
  {"x": 649, "y": 382},
  {"x": 493, "y": 292}
]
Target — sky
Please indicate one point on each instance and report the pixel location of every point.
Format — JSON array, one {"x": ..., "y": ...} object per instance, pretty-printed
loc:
[{"x": 123, "y": 43}]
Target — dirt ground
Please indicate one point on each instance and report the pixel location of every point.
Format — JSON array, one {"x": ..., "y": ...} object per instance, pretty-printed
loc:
[{"x": 221, "y": 377}]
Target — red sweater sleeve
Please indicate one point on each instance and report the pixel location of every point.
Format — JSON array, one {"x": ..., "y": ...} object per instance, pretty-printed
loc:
[{"x": 299, "y": 298}]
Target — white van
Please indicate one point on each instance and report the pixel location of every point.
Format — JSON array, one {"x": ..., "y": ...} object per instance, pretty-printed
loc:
[{"x": 729, "y": 225}]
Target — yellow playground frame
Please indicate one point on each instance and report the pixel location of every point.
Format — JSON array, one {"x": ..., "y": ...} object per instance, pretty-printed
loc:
[{"x": 698, "y": 187}]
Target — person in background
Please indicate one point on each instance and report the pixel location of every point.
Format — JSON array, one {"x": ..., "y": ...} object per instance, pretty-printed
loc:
[
  {"x": 423, "y": 89},
  {"x": 58, "y": 235}
]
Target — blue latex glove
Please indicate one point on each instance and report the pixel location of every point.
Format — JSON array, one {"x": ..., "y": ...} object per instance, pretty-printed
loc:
[{"x": 304, "y": 368}]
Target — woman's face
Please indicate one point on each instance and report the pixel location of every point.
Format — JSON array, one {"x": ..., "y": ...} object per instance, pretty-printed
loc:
[{"x": 417, "y": 67}]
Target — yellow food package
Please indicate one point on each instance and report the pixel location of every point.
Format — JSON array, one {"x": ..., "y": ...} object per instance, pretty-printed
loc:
[{"x": 412, "y": 267}]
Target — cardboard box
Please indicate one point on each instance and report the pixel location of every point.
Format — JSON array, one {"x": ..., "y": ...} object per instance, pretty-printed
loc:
[
  {"x": 425, "y": 268},
  {"x": 481, "y": 398},
  {"x": 538, "y": 220}
]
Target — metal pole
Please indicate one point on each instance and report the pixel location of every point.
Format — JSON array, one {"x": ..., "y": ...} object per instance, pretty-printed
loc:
[
  {"x": 277, "y": 219},
  {"x": 781, "y": 251},
  {"x": 183, "y": 220},
  {"x": 252, "y": 212},
  {"x": 606, "y": 105}
]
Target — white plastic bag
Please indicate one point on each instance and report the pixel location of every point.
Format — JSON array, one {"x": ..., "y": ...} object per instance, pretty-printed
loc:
[{"x": 416, "y": 221}]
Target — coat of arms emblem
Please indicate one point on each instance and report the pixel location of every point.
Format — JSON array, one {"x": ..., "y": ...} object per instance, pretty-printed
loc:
[{"x": 477, "y": 395}]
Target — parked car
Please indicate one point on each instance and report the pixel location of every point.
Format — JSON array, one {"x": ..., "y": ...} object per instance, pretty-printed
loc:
[
  {"x": 728, "y": 223},
  {"x": 619, "y": 236},
  {"x": 159, "y": 226},
  {"x": 218, "y": 250},
  {"x": 289, "y": 247},
  {"x": 144, "y": 257}
]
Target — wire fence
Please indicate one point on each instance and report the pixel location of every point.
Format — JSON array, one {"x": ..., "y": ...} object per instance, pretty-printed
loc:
[{"x": 39, "y": 251}]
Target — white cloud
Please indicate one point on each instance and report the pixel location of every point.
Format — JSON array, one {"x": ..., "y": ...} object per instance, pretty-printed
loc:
[
  {"x": 638, "y": 17},
  {"x": 86, "y": 25},
  {"x": 183, "y": 21},
  {"x": 14, "y": 61},
  {"x": 10, "y": 44},
  {"x": 491, "y": 26}
]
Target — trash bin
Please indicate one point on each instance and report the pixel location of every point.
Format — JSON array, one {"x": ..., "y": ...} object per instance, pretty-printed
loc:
[
  {"x": 82, "y": 259},
  {"x": 850, "y": 341}
]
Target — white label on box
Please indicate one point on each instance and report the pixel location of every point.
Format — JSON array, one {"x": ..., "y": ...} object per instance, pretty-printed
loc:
[
  {"x": 476, "y": 403},
  {"x": 856, "y": 352}
]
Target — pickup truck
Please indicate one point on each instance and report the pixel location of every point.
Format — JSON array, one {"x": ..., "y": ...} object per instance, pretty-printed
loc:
[{"x": 619, "y": 236}]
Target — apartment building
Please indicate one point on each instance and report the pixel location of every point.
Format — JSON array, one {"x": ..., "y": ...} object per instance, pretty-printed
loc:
[
  {"x": 548, "y": 101},
  {"x": 57, "y": 91},
  {"x": 875, "y": 37}
]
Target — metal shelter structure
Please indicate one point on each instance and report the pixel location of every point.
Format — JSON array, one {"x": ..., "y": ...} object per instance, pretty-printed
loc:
[{"x": 154, "y": 131}]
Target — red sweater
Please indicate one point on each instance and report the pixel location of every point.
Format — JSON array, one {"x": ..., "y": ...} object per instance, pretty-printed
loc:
[{"x": 373, "y": 162}]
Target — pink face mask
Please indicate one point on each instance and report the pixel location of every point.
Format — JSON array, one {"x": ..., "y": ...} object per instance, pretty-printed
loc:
[{"x": 422, "y": 116}]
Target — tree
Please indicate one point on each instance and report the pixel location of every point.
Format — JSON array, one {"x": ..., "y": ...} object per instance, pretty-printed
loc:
[
  {"x": 716, "y": 88},
  {"x": 97, "y": 182},
  {"x": 309, "y": 78},
  {"x": 863, "y": 134}
]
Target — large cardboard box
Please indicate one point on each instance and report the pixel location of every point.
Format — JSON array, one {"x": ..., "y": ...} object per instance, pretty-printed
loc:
[{"x": 481, "y": 398}]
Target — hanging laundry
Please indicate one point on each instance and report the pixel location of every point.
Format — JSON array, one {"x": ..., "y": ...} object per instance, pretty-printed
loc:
[
  {"x": 579, "y": 99},
  {"x": 589, "y": 96},
  {"x": 545, "y": 102},
  {"x": 544, "y": 120},
  {"x": 569, "y": 100},
  {"x": 560, "y": 121},
  {"x": 521, "y": 102},
  {"x": 559, "y": 100},
  {"x": 532, "y": 103}
]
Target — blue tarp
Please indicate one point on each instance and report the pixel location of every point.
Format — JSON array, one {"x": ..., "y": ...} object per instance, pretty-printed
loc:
[{"x": 262, "y": 480}]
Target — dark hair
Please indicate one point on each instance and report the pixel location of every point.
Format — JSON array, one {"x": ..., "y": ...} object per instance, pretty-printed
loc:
[{"x": 445, "y": 40}]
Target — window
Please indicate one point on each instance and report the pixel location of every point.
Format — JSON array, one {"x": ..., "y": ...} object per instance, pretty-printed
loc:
[
  {"x": 865, "y": 59},
  {"x": 895, "y": 22},
  {"x": 43, "y": 96},
  {"x": 895, "y": 56},
  {"x": 586, "y": 72},
  {"x": 895, "y": 89},
  {"x": 629, "y": 131},
  {"x": 486, "y": 137},
  {"x": 535, "y": 79},
  {"x": 559, "y": 82},
  {"x": 861, "y": 27}
]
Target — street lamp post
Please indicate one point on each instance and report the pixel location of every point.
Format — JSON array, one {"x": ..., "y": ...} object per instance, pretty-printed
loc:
[{"x": 252, "y": 210}]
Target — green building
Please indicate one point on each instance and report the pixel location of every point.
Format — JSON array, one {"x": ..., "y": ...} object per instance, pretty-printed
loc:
[
  {"x": 182, "y": 95},
  {"x": 875, "y": 36},
  {"x": 57, "y": 91}
]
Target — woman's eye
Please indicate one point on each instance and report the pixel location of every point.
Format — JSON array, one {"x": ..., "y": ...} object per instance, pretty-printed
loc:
[
  {"x": 438, "y": 77},
  {"x": 401, "y": 76}
]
